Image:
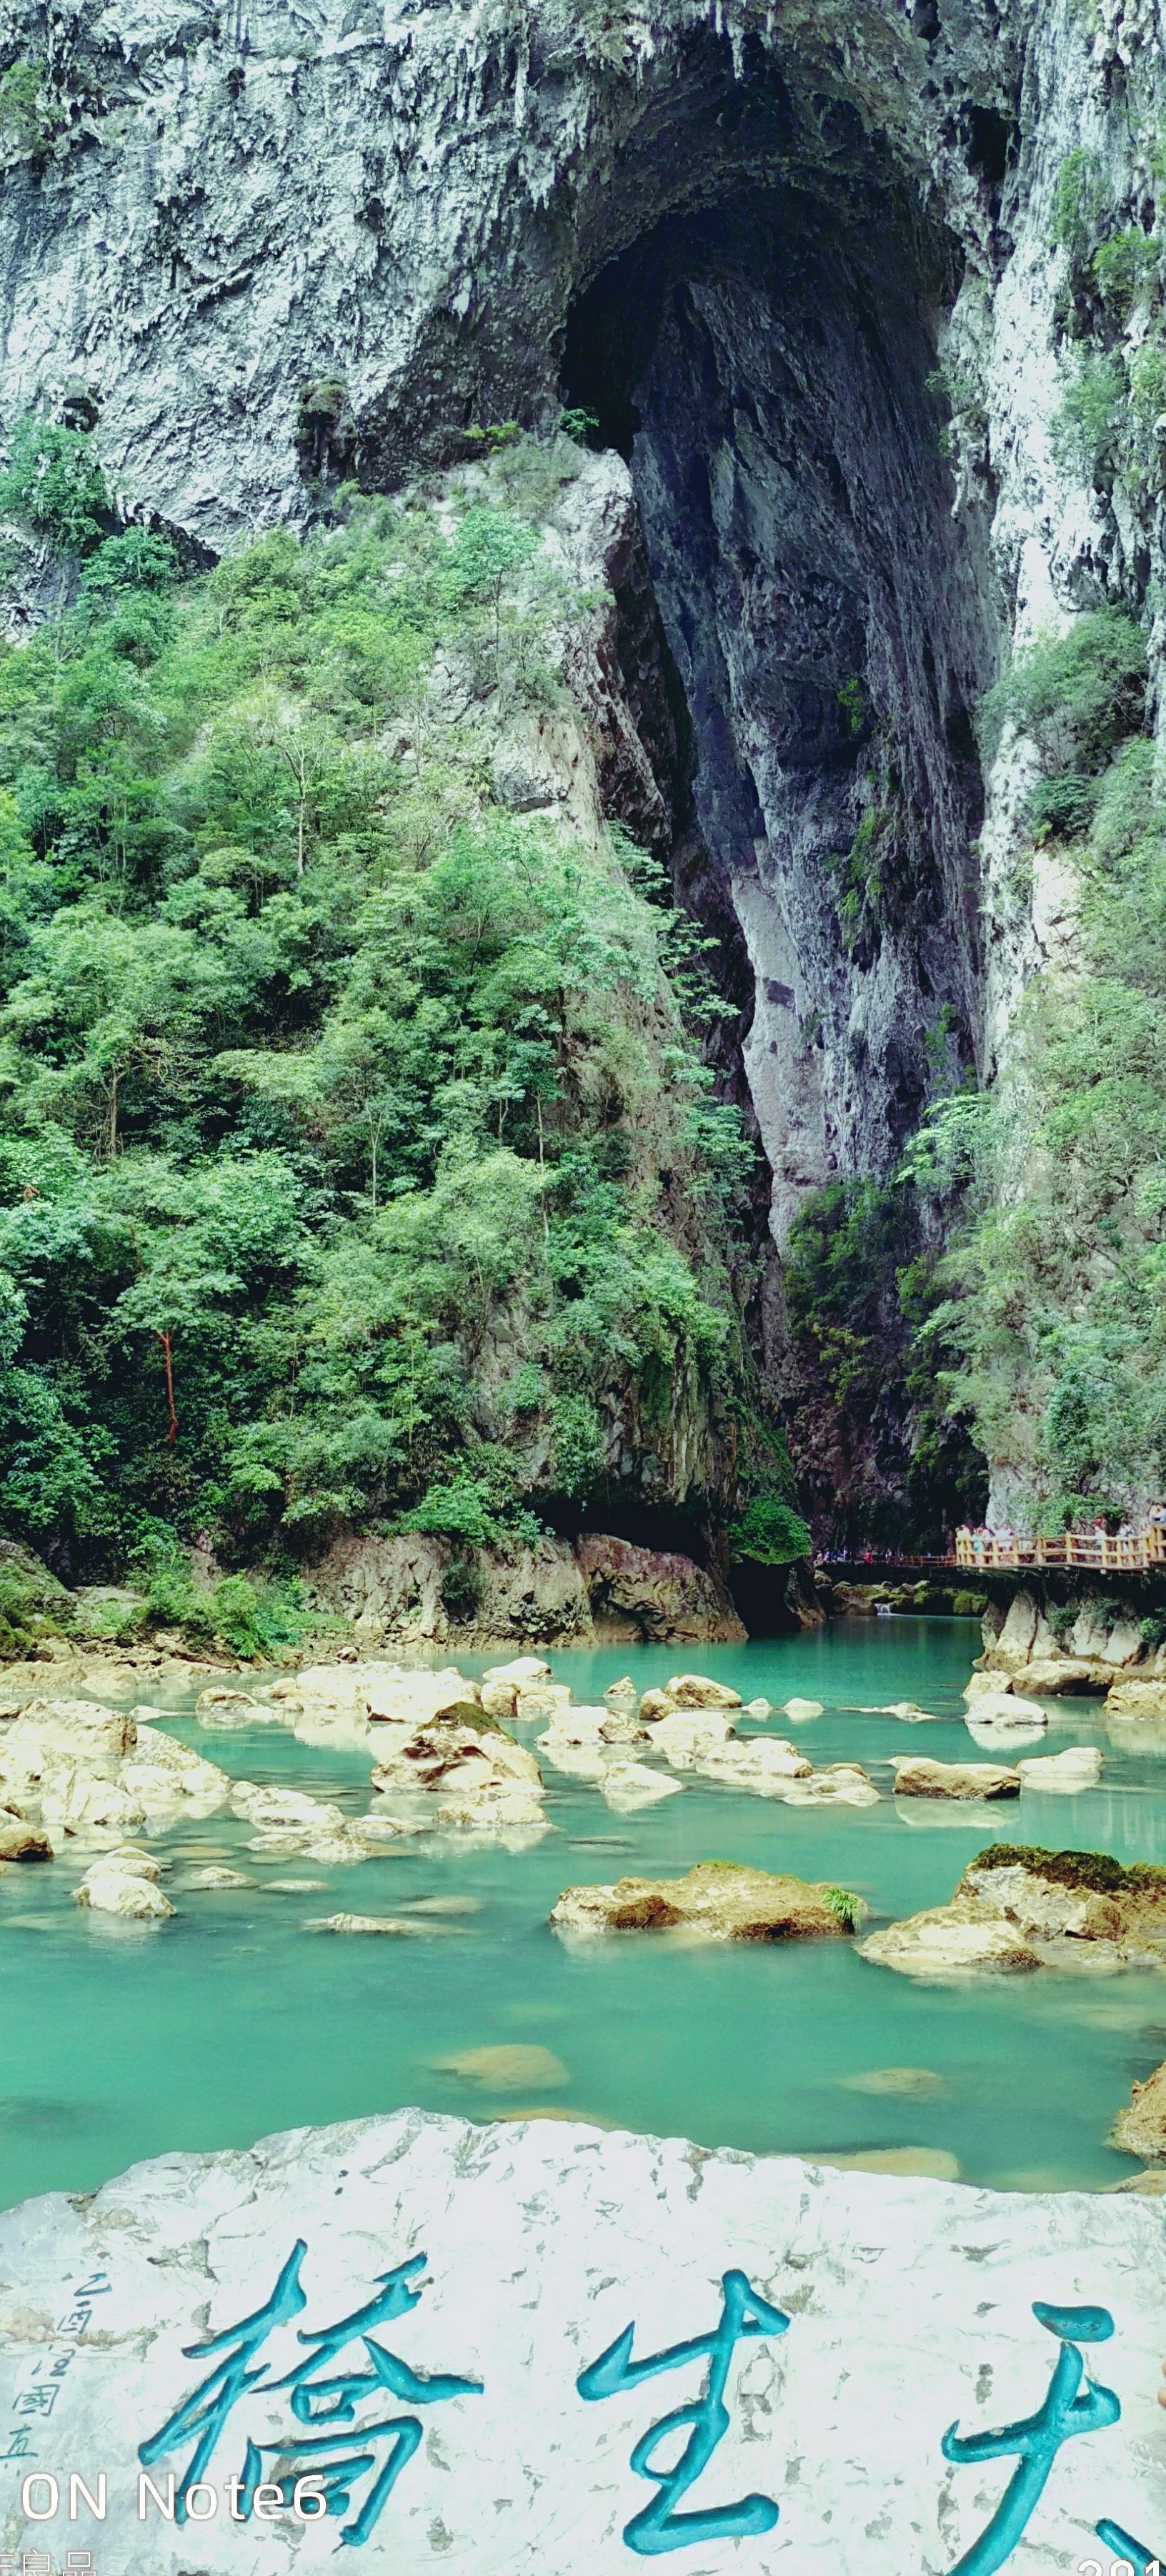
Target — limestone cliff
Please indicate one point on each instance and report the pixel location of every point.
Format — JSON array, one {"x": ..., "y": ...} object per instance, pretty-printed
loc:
[{"x": 799, "y": 265}]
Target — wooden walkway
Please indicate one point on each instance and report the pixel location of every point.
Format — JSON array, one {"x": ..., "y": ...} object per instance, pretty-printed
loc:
[{"x": 1092, "y": 1552}]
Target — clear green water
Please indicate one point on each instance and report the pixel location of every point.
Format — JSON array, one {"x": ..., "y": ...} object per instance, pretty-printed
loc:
[{"x": 121, "y": 2041}]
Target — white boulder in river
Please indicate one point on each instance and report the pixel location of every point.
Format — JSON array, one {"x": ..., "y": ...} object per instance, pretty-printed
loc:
[{"x": 539, "y": 2350}]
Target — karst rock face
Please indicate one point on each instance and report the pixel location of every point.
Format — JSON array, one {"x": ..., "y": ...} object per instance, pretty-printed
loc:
[{"x": 262, "y": 248}]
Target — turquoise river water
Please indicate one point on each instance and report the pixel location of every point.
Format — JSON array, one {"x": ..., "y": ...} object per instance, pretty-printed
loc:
[{"x": 235, "y": 2020}]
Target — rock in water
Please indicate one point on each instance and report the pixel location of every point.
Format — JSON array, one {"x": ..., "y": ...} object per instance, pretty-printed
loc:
[
  {"x": 515, "y": 2067},
  {"x": 389, "y": 1923},
  {"x": 920, "y": 1779},
  {"x": 1078, "y": 1767},
  {"x": 630, "y": 1785},
  {"x": 695, "y": 1690},
  {"x": 19, "y": 1841},
  {"x": 719, "y": 1900},
  {"x": 1018, "y": 1907},
  {"x": 125, "y": 1882},
  {"x": 1004, "y": 1709},
  {"x": 1141, "y": 2128},
  {"x": 543, "y": 2245},
  {"x": 1136, "y": 1699}
]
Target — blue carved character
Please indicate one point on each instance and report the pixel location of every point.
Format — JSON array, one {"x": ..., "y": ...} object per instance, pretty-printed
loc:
[
  {"x": 1145, "y": 2562},
  {"x": 1036, "y": 2439},
  {"x": 335, "y": 2459},
  {"x": 657, "y": 2527}
]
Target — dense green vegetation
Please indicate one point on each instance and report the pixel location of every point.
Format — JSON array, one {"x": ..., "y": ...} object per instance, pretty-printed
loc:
[
  {"x": 1111, "y": 308},
  {"x": 357, "y": 1163},
  {"x": 1038, "y": 1336},
  {"x": 1054, "y": 1326}
]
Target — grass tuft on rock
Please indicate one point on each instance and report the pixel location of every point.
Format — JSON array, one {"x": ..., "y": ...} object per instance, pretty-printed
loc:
[{"x": 1097, "y": 1871}]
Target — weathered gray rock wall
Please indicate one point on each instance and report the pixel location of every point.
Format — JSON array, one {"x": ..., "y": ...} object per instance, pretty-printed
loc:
[{"x": 260, "y": 247}]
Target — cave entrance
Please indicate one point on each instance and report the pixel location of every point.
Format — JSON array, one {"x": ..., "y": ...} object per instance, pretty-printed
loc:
[{"x": 761, "y": 357}]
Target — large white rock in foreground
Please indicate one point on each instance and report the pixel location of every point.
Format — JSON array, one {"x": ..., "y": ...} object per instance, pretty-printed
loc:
[{"x": 889, "y": 2311}]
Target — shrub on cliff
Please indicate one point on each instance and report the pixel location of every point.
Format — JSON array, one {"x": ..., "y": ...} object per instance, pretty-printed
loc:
[
  {"x": 1056, "y": 1314},
  {"x": 332, "y": 1089}
]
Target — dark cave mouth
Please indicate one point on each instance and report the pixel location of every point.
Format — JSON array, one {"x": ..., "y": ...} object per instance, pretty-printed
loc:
[{"x": 762, "y": 364}]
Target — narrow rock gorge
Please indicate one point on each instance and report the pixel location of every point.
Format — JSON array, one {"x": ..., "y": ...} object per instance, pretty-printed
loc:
[{"x": 835, "y": 298}]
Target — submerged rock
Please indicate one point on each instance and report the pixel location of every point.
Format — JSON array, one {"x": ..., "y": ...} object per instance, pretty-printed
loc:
[
  {"x": 720, "y": 1900},
  {"x": 512, "y": 2067},
  {"x": 906, "y": 2083},
  {"x": 386, "y": 1923},
  {"x": 936, "y": 2163},
  {"x": 1020, "y": 1908},
  {"x": 629, "y": 1785}
]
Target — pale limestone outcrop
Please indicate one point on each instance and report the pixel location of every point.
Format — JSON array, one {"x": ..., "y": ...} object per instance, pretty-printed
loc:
[
  {"x": 651, "y": 1593},
  {"x": 762, "y": 1762},
  {"x": 950, "y": 1941},
  {"x": 846, "y": 1782},
  {"x": 1141, "y": 2128},
  {"x": 481, "y": 1778},
  {"x": 628, "y": 1786},
  {"x": 125, "y": 1881},
  {"x": 718, "y": 1900},
  {"x": 1020, "y": 1909},
  {"x": 696, "y": 1690},
  {"x": 1005, "y": 1709},
  {"x": 1136, "y": 1699},
  {"x": 101, "y": 1773},
  {"x": 21, "y": 1841},
  {"x": 684, "y": 1736},
  {"x": 546, "y": 2239},
  {"x": 1078, "y": 1767},
  {"x": 920, "y": 1779}
]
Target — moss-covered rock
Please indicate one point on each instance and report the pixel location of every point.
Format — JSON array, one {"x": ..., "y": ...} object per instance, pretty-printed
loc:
[
  {"x": 33, "y": 1604},
  {"x": 718, "y": 1899},
  {"x": 1020, "y": 1907}
]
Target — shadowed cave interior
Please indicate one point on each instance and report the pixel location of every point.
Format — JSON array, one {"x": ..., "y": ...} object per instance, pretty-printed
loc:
[{"x": 766, "y": 364}]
